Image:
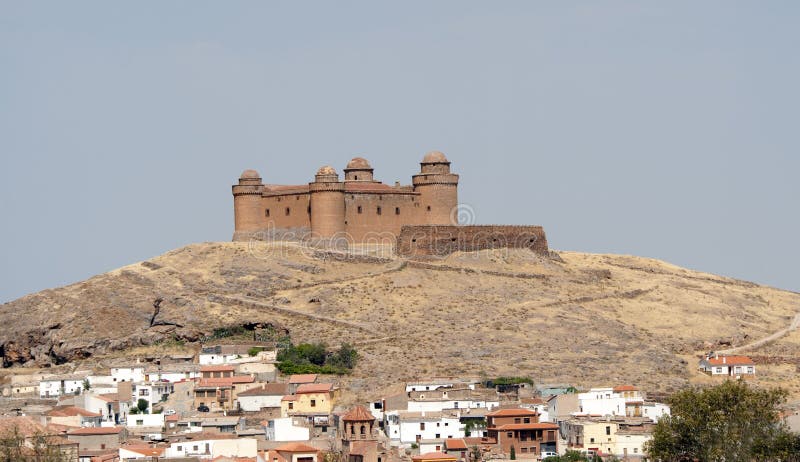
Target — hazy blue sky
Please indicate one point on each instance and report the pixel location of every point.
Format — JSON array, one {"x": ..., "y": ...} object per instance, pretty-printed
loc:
[{"x": 661, "y": 129}]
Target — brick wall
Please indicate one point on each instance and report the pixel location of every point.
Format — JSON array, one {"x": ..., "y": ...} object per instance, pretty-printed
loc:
[{"x": 437, "y": 241}]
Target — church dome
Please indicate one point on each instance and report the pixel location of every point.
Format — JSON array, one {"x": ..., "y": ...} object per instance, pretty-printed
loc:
[
  {"x": 434, "y": 157},
  {"x": 358, "y": 163},
  {"x": 250, "y": 175},
  {"x": 326, "y": 170}
]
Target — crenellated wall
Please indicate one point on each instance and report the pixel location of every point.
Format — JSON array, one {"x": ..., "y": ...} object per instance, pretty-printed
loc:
[{"x": 439, "y": 241}]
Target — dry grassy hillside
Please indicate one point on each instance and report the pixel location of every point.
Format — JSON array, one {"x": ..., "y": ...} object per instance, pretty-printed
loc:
[{"x": 580, "y": 318}]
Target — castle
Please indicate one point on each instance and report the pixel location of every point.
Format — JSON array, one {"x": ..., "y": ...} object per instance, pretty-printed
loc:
[
  {"x": 358, "y": 207},
  {"x": 418, "y": 219}
]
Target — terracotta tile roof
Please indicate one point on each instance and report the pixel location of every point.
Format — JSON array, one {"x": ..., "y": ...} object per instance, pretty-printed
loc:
[
  {"x": 296, "y": 447},
  {"x": 731, "y": 361},
  {"x": 621, "y": 388},
  {"x": 359, "y": 413},
  {"x": 145, "y": 450},
  {"x": 266, "y": 389},
  {"x": 25, "y": 425},
  {"x": 71, "y": 411},
  {"x": 289, "y": 398},
  {"x": 95, "y": 431},
  {"x": 314, "y": 388},
  {"x": 302, "y": 378},
  {"x": 434, "y": 456},
  {"x": 217, "y": 368},
  {"x": 172, "y": 418},
  {"x": 455, "y": 444},
  {"x": 511, "y": 413},
  {"x": 527, "y": 426}
]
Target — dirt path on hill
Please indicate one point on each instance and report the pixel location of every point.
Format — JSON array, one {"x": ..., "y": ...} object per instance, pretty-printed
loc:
[{"x": 771, "y": 338}]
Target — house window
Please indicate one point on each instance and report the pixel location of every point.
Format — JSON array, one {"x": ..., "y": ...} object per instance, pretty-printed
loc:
[
  {"x": 139, "y": 422},
  {"x": 438, "y": 448},
  {"x": 517, "y": 420},
  {"x": 591, "y": 440},
  {"x": 102, "y": 446},
  {"x": 180, "y": 448},
  {"x": 288, "y": 211},
  {"x": 266, "y": 213},
  {"x": 422, "y": 426},
  {"x": 510, "y": 434},
  {"x": 438, "y": 435},
  {"x": 524, "y": 449},
  {"x": 718, "y": 370},
  {"x": 359, "y": 209},
  {"x": 608, "y": 429},
  {"x": 379, "y": 210},
  {"x": 291, "y": 406},
  {"x": 313, "y": 403},
  {"x": 429, "y": 208},
  {"x": 397, "y": 210},
  {"x": 635, "y": 450}
]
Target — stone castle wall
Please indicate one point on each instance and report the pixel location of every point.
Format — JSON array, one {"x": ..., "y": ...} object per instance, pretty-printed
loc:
[{"x": 442, "y": 240}]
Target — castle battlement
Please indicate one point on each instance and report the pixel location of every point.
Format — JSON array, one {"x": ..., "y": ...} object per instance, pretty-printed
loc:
[{"x": 356, "y": 206}]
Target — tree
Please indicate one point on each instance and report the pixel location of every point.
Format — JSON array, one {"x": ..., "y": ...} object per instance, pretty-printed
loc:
[
  {"x": 142, "y": 405},
  {"x": 728, "y": 422},
  {"x": 513, "y": 455},
  {"x": 345, "y": 357},
  {"x": 39, "y": 447}
]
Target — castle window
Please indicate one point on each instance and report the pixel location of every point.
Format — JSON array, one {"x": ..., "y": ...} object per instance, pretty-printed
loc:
[
  {"x": 429, "y": 208},
  {"x": 309, "y": 210},
  {"x": 359, "y": 209},
  {"x": 397, "y": 210},
  {"x": 356, "y": 177},
  {"x": 288, "y": 211},
  {"x": 297, "y": 198},
  {"x": 379, "y": 210},
  {"x": 266, "y": 212}
]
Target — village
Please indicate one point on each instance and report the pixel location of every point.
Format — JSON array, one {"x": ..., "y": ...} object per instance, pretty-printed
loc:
[{"x": 231, "y": 403}]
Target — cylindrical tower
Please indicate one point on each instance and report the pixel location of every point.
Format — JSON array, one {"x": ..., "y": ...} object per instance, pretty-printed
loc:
[
  {"x": 358, "y": 169},
  {"x": 248, "y": 216},
  {"x": 327, "y": 203},
  {"x": 438, "y": 190}
]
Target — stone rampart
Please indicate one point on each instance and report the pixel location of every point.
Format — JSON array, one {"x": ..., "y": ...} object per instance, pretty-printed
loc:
[{"x": 442, "y": 240}]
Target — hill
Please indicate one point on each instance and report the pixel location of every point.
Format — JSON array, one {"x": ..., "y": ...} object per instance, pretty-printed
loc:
[{"x": 572, "y": 317}]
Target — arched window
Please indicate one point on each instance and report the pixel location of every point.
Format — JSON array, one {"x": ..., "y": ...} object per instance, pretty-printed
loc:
[
  {"x": 363, "y": 430},
  {"x": 352, "y": 429}
]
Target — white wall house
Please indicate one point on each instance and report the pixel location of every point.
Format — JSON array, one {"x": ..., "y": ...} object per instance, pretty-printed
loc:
[
  {"x": 439, "y": 405},
  {"x": 169, "y": 375},
  {"x": 287, "y": 429},
  {"x": 152, "y": 392},
  {"x": 655, "y": 411},
  {"x": 406, "y": 427},
  {"x": 268, "y": 395},
  {"x": 436, "y": 384},
  {"x": 127, "y": 374},
  {"x": 145, "y": 420},
  {"x": 58, "y": 386},
  {"x": 728, "y": 365},
  {"x": 210, "y": 449}
]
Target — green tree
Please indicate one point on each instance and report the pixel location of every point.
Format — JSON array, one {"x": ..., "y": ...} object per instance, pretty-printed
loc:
[
  {"x": 39, "y": 447},
  {"x": 728, "y": 422},
  {"x": 513, "y": 455},
  {"x": 142, "y": 406},
  {"x": 345, "y": 357}
]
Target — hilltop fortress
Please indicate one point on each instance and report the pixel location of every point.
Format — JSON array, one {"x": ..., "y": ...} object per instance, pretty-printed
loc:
[{"x": 418, "y": 219}]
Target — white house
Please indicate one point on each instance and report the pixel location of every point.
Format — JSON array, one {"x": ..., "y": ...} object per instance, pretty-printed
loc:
[
  {"x": 212, "y": 448},
  {"x": 172, "y": 373},
  {"x": 728, "y": 365},
  {"x": 52, "y": 387},
  {"x": 127, "y": 374},
  {"x": 152, "y": 392},
  {"x": 287, "y": 429},
  {"x": 406, "y": 427},
  {"x": 145, "y": 420},
  {"x": 222, "y": 354},
  {"x": 268, "y": 395},
  {"x": 655, "y": 411},
  {"x": 435, "y": 384}
]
